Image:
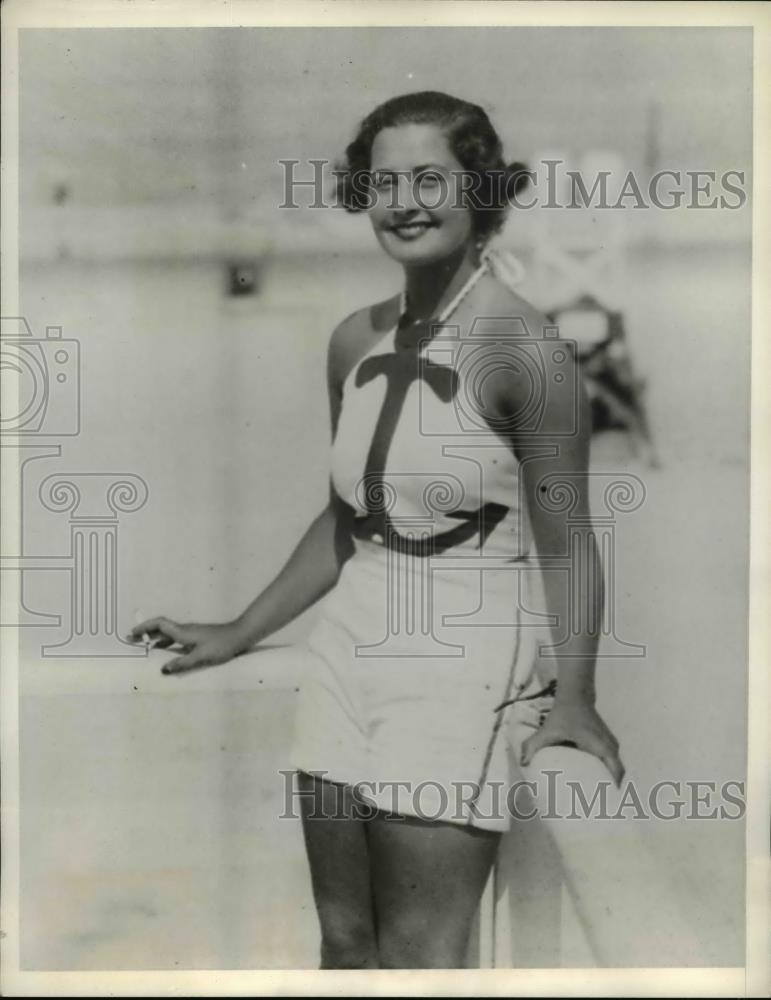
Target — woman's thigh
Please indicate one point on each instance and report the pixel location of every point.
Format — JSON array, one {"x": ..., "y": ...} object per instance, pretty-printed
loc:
[
  {"x": 428, "y": 879},
  {"x": 336, "y": 845}
]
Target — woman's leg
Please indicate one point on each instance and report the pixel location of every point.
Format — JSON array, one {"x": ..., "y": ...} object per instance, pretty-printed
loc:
[
  {"x": 428, "y": 879},
  {"x": 336, "y": 844}
]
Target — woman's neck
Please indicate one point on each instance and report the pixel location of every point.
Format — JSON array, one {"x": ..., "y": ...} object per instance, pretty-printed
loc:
[{"x": 431, "y": 286}]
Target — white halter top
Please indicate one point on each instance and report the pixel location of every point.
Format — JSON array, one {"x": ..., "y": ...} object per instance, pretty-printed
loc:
[{"x": 413, "y": 456}]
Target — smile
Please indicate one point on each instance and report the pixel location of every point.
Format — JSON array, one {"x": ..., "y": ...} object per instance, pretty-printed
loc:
[{"x": 411, "y": 230}]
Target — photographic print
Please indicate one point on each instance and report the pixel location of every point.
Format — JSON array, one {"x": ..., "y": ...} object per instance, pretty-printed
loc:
[{"x": 377, "y": 438}]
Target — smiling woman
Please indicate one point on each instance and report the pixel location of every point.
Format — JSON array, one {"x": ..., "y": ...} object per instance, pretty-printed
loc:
[
  {"x": 464, "y": 164},
  {"x": 405, "y": 226},
  {"x": 454, "y": 430}
]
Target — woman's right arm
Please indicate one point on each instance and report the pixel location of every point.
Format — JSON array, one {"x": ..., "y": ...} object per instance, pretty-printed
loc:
[
  {"x": 314, "y": 566},
  {"x": 310, "y": 572}
]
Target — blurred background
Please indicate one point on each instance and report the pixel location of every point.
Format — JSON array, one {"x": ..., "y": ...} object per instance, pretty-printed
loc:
[{"x": 150, "y": 232}]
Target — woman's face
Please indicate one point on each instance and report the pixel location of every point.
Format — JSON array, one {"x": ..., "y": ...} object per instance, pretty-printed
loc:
[{"x": 415, "y": 213}]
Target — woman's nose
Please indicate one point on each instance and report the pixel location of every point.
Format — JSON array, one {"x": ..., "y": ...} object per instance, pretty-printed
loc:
[{"x": 404, "y": 195}]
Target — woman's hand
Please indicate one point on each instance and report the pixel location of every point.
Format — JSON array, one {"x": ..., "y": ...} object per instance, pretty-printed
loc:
[
  {"x": 579, "y": 724},
  {"x": 203, "y": 645}
]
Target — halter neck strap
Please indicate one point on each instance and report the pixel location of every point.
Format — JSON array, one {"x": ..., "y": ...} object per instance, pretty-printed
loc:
[{"x": 502, "y": 264}]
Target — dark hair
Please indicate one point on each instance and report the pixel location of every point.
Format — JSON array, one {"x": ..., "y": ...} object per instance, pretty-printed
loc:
[{"x": 472, "y": 140}]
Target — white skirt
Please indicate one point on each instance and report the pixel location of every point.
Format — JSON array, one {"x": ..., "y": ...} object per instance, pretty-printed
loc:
[{"x": 410, "y": 662}]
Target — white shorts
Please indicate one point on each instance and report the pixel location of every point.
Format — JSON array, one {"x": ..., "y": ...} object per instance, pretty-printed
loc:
[{"x": 401, "y": 698}]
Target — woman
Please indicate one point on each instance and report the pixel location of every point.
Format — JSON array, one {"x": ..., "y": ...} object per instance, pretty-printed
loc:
[{"x": 454, "y": 422}]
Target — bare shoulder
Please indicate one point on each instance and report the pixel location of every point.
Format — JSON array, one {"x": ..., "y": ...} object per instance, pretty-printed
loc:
[
  {"x": 500, "y": 311},
  {"x": 357, "y": 333},
  {"x": 522, "y": 345}
]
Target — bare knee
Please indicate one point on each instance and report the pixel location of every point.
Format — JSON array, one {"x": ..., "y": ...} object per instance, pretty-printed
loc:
[
  {"x": 418, "y": 943},
  {"x": 347, "y": 943}
]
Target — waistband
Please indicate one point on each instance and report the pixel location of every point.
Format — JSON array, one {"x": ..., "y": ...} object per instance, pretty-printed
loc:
[{"x": 486, "y": 573}]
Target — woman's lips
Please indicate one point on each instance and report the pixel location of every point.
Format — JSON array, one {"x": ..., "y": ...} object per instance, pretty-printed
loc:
[{"x": 411, "y": 230}]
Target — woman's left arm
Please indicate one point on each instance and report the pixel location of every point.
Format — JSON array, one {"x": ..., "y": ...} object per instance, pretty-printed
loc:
[{"x": 558, "y": 448}]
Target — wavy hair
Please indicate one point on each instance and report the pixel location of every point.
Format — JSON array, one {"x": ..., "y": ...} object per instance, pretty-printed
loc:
[{"x": 472, "y": 140}]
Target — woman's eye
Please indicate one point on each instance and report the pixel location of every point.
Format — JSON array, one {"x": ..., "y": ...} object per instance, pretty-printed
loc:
[
  {"x": 382, "y": 182},
  {"x": 429, "y": 179}
]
